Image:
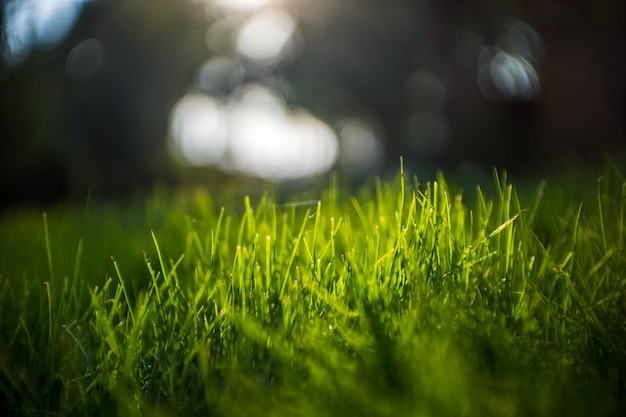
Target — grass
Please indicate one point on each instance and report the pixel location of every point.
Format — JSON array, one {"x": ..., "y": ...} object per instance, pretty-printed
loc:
[{"x": 403, "y": 299}]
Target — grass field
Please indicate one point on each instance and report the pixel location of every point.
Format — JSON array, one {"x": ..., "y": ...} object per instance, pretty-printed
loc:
[{"x": 401, "y": 299}]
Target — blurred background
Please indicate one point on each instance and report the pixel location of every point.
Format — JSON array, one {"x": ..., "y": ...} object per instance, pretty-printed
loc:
[{"x": 109, "y": 97}]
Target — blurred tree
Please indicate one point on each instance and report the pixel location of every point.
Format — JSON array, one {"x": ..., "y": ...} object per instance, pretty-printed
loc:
[
  {"x": 361, "y": 56},
  {"x": 365, "y": 55},
  {"x": 444, "y": 81},
  {"x": 93, "y": 112}
]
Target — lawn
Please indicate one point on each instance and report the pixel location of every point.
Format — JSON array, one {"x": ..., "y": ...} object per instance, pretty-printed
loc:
[{"x": 399, "y": 299}]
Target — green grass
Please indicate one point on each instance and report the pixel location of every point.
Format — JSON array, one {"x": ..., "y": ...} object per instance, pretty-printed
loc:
[{"x": 400, "y": 300}]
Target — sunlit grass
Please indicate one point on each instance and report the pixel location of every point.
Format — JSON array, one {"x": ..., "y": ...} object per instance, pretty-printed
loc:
[{"x": 399, "y": 300}]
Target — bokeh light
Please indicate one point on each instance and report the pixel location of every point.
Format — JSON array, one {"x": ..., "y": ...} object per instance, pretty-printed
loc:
[
  {"x": 267, "y": 37},
  {"x": 271, "y": 141},
  {"x": 428, "y": 133},
  {"x": 293, "y": 88},
  {"x": 361, "y": 145},
  {"x": 424, "y": 90},
  {"x": 242, "y": 4},
  {"x": 467, "y": 52},
  {"x": 220, "y": 75},
  {"x": 219, "y": 35},
  {"x": 504, "y": 77},
  {"x": 32, "y": 24},
  {"x": 85, "y": 59},
  {"x": 508, "y": 70},
  {"x": 198, "y": 130},
  {"x": 241, "y": 126},
  {"x": 252, "y": 132}
]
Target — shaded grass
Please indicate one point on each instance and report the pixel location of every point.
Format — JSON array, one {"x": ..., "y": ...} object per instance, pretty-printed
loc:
[{"x": 399, "y": 300}]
